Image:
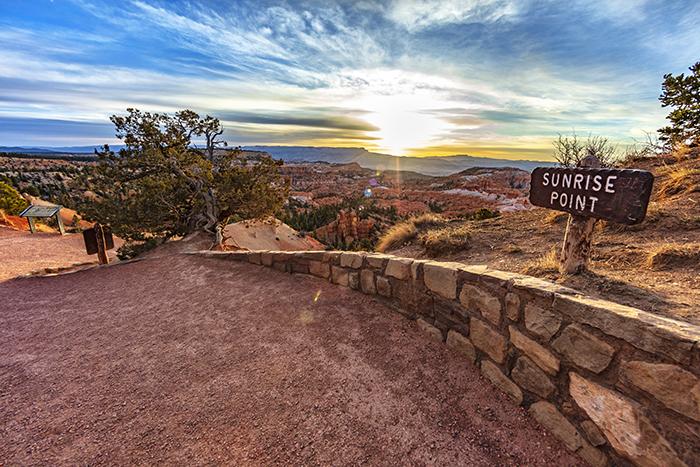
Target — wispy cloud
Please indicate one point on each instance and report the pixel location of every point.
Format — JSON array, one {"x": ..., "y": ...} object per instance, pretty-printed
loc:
[
  {"x": 408, "y": 76},
  {"x": 422, "y": 14}
]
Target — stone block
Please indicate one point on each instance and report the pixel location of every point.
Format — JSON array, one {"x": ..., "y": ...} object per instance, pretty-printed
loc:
[
  {"x": 512, "y": 306},
  {"x": 488, "y": 340},
  {"x": 594, "y": 457},
  {"x": 319, "y": 269},
  {"x": 623, "y": 423},
  {"x": 332, "y": 257},
  {"x": 549, "y": 417},
  {"x": 432, "y": 332},
  {"x": 584, "y": 349},
  {"x": 383, "y": 286},
  {"x": 280, "y": 266},
  {"x": 266, "y": 258},
  {"x": 674, "y": 387},
  {"x": 656, "y": 334},
  {"x": 441, "y": 278},
  {"x": 415, "y": 268},
  {"x": 400, "y": 268},
  {"x": 367, "y": 282},
  {"x": 254, "y": 258},
  {"x": 542, "y": 323},
  {"x": 475, "y": 299},
  {"x": 354, "y": 280},
  {"x": 538, "y": 353},
  {"x": 529, "y": 376},
  {"x": 300, "y": 268},
  {"x": 461, "y": 344},
  {"x": 340, "y": 276},
  {"x": 351, "y": 260},
  {"x": 593, "y": 434},
  {"x": 501, "y": 381},
  {"x": 377, "y": 261}
]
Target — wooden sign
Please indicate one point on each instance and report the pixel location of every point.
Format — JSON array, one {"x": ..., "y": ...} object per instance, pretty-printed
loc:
[
  {"x": 618, "y": 195},
  {"x": 98, "y": 240}
]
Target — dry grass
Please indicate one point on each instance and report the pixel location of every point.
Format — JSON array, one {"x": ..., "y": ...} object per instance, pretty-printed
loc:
[
  {"x": 428, "y": 220},
  {"x": 397, "y": 236},
  {"x": 556, "y": 217},
  {"x": 444, "y": 240},
  {"x": 678, "y": 180},
  {"x": 674, "y": 255},
  {"x": 403, "y": 232},
  {"x": 546, "y": 264}
]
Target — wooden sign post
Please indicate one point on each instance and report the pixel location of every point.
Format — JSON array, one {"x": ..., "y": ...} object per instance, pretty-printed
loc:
[
  {"x": 98, "y": 240},
  {"x": 590, "y": 193}
]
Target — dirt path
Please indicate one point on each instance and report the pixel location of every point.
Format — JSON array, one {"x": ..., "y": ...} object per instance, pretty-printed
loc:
[
  {"x": 23, "y": 253},
  {"x": 191, "y": 360}
]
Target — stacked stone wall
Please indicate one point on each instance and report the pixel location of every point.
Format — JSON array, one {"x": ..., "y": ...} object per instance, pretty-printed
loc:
[{"x": 616, "y": 384}]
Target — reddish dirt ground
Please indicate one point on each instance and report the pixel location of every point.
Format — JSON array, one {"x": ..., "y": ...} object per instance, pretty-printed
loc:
[
  {"x": 188, "y": 360},
  {"x": 23, "y": 253}
]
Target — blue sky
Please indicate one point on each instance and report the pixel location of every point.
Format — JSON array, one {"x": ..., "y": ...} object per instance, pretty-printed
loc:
[{"x": 410, "y": 77}]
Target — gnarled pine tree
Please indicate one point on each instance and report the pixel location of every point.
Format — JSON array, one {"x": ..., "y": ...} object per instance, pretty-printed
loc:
[{"x": 161, "y": 185}]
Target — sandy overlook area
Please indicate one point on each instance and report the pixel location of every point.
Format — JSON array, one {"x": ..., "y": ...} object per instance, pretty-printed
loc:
[
  {"x": 151, "y": 362},
  {"x": 24, "y": 253}
]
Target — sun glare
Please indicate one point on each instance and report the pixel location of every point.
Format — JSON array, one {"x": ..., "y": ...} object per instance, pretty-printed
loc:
[
  {"x": 402, "y": 126},
  {"x": 402, "y": 106}
]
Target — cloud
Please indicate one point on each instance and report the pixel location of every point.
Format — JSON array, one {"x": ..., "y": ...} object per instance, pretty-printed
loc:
[
  {"x": 397, "y": 76},
  {"x": 416, "y": 15}
]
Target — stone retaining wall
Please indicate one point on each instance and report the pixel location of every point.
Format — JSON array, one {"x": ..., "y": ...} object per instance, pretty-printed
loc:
[{"x": 616, "y": 384}]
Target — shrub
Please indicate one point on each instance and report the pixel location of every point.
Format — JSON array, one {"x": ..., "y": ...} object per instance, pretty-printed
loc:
[
  {"x": 10, "y": 200},
  {"x": 405, "y": 231},
  {"x": 446, "y": 240},
  {"x": 483, "y": 214},
  {"x": 133, "y": 249},
  {"x": 397, "y": 236},
  {"x": 570, "y": 151}
]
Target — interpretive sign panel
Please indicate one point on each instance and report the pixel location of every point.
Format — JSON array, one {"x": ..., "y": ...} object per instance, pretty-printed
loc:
[{"x": 618, "y": 195}]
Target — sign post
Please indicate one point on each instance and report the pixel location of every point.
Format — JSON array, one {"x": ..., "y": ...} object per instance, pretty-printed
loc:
[
  {"x": 98, "y": 240},
  {"x": 589, "y": 193}
]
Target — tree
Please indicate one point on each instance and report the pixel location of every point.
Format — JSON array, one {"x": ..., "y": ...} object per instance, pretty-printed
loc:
[
  {"x": 10, "y": 200},
  {"x": 161, "y": 185},
  {"x": 682, "y": 94},
  {"x": 570, "y": 151}
]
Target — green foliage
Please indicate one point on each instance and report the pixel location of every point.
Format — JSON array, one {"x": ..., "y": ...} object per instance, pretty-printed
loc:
[
  {"x": 682, "y": 94},
  {"x": 160, "y": 186},
  {"x": 131, "y": 250},
  {"x": 10, "y": 200},
  {"x": 304, "y": 219},
  {"x": 482, "y": 214},
  {"x": 435, "y": 206},
  {"x": 32, "y": 190}
]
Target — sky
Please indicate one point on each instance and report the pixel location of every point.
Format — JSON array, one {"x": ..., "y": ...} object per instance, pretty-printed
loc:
[{"x": 495, "y": 78}]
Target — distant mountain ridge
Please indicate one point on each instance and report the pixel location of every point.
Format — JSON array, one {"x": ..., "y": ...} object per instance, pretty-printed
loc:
[{"x": 434, "y": 165}]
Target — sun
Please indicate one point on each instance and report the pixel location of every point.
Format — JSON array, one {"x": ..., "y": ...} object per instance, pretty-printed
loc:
[{"x": 402, "y": 123}]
